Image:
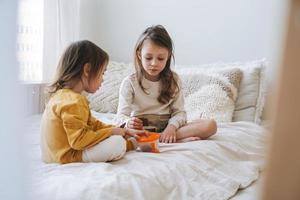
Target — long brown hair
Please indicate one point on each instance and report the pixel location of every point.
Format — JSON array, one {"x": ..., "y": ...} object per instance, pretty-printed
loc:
[
  {"x": 169, "y": 86},
  {"x": 71, "y": 64}
]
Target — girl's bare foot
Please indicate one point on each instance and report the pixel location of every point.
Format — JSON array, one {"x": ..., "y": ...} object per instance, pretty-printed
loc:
[{"x": 188, "y": 139}]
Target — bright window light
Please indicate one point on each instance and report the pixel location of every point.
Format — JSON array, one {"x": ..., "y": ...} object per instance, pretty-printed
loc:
[{"x": 30, "y": 40}]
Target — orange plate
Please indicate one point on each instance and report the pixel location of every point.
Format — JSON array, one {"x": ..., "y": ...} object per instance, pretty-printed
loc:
[{"x": 150, "y": 138}]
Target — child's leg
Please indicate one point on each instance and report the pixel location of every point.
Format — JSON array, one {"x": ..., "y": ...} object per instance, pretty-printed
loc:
[
  {"x": 112, "y": 148},
  {"x": 199, "y": 129}
]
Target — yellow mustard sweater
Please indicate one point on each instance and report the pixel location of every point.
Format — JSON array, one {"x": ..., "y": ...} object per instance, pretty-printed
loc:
[{"x": 67, "y": 128}]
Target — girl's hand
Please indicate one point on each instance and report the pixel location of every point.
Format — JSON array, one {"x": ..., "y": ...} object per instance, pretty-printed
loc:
[
  {"x": 128, "y": 132},
  {"x": 135, "y": 133},
  {"x": 118, "y": 131},
  {"x": 135, "y": 123},
  {"x": 168, "y": 135}
]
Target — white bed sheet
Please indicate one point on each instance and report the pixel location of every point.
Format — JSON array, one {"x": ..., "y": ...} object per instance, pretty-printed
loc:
[
  {"x": 210, "y": 169},
  {"x": 252, "y": 192}
]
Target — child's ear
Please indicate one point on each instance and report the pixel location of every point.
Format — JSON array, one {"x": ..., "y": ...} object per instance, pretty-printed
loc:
[
  {"x": 86, "y": 69},
  {"x": 139, "y": 55}
]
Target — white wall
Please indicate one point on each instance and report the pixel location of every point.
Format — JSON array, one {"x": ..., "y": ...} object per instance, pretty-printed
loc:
[{"x": 203, "y": 31}]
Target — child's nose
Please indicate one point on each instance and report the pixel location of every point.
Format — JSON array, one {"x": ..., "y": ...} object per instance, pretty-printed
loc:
[{"x": 154, "y": 61}]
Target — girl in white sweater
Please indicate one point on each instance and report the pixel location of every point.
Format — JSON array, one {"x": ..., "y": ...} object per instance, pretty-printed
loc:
[{"x": 152, "y": 96}]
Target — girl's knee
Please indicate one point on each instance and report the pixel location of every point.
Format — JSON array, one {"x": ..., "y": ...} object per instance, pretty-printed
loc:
[
  {"x": 118, "y": 144},
  {"x": 117, "y": 139},
  {"x": 210, "y": 128}
]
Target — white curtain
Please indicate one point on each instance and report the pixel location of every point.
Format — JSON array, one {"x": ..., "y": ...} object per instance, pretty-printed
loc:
[{"x": 61, "y": 27}]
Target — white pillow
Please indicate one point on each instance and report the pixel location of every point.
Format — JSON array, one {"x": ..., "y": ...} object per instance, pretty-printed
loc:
[
  {"x": 248, "y": 106},
  {"x": 210, "y": 95},
  {"x": 251, "y": 98},
  {"x": 106, "y": 99},
  {"x": 209, "y": 102}
]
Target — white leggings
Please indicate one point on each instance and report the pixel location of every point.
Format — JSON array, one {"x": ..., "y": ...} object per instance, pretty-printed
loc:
[{"x": 112, "y": 148}]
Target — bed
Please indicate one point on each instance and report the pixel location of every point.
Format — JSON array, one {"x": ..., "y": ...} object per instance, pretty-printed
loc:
[{"x": 216, "y": 168}]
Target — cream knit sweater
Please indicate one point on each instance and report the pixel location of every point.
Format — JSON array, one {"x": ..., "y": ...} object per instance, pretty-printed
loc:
[{"x": 133, "y": 101}]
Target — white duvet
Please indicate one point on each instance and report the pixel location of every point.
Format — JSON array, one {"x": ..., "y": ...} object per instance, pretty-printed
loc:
[{"x": 210, "y": 169}]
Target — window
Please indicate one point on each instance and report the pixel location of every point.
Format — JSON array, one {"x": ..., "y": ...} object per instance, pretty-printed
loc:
[{"x": 30, "y": 39}]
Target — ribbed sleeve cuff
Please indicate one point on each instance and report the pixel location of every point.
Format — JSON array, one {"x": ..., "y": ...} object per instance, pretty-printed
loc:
[{"x": 176, "y": 124}]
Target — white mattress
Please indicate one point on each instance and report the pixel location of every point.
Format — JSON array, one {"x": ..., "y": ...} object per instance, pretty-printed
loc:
[{"x": 208, "y": 169}]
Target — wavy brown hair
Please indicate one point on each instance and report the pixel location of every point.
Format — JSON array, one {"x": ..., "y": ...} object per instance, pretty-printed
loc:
[
  {"x": 71, "y": 64},
  {"x": 169, "y": 86}
]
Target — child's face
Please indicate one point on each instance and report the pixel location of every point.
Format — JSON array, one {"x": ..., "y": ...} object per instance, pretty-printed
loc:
[
  {"x": 153, "y": 59},
  {"x": 95, "y": 83}
]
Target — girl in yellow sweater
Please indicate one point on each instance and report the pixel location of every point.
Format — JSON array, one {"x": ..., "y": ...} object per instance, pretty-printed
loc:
[{"x": 69, "y": 133}]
